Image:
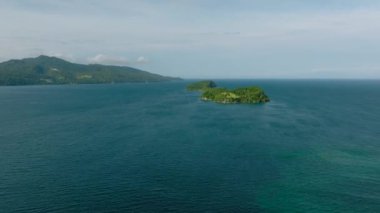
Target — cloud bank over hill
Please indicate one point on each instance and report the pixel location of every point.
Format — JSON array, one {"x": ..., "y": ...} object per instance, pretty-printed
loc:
[{"x": 116, "y": 60}]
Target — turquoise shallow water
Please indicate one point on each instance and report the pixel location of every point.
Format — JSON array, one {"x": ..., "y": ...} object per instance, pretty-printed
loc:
[{"x": 157, "y": 148}]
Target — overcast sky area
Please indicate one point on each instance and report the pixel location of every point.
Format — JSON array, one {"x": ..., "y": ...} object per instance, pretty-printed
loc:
[{"x": 201, "y": 38}]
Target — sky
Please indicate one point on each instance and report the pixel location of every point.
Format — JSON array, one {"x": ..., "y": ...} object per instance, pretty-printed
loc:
[{"x": 201, "y": 38}]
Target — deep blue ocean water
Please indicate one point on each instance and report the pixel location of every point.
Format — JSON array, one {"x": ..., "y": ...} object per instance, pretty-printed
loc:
[{"x": 158, "y": 148}]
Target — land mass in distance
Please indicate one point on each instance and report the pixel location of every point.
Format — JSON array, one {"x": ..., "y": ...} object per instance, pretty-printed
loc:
[
  {"x": 52, "y": 70},
  {"x": 210, "y": 92}
]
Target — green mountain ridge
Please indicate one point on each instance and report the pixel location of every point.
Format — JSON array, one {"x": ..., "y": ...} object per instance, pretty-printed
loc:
[{"x": 52, "y": 70}]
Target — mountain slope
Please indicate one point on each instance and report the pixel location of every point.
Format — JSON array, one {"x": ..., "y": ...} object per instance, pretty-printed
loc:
[{"x": 52, "y": 70}]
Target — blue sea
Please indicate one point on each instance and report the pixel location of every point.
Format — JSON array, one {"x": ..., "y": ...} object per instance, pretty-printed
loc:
[{"x": 157, "y": 148}]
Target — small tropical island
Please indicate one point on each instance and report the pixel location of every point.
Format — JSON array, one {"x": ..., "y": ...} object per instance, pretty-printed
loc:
[
  {"x": 52, "y": 70},
  {"x": 245, "y": 95},
  {"x": 201, "y": 86}
]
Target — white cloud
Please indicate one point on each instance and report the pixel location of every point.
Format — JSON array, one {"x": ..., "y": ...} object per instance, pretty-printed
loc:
[
  {"x": 142, "y": 60},
  {"x": 109, "y": 60},
  {"x": 116, "y": 60}
]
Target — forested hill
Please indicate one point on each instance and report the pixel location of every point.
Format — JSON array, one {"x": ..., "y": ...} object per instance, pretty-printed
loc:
[{"x": 52, "y": 70}]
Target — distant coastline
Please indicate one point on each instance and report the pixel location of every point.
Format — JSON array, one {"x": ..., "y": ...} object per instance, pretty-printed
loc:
[{"x": 45, "y": 70}]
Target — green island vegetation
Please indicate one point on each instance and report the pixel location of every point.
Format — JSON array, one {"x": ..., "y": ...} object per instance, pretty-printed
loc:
[
  {"x": 52, "y": 70},
  {"x": 250, "y": 95},
  {"x": 201, "y": 85}
]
